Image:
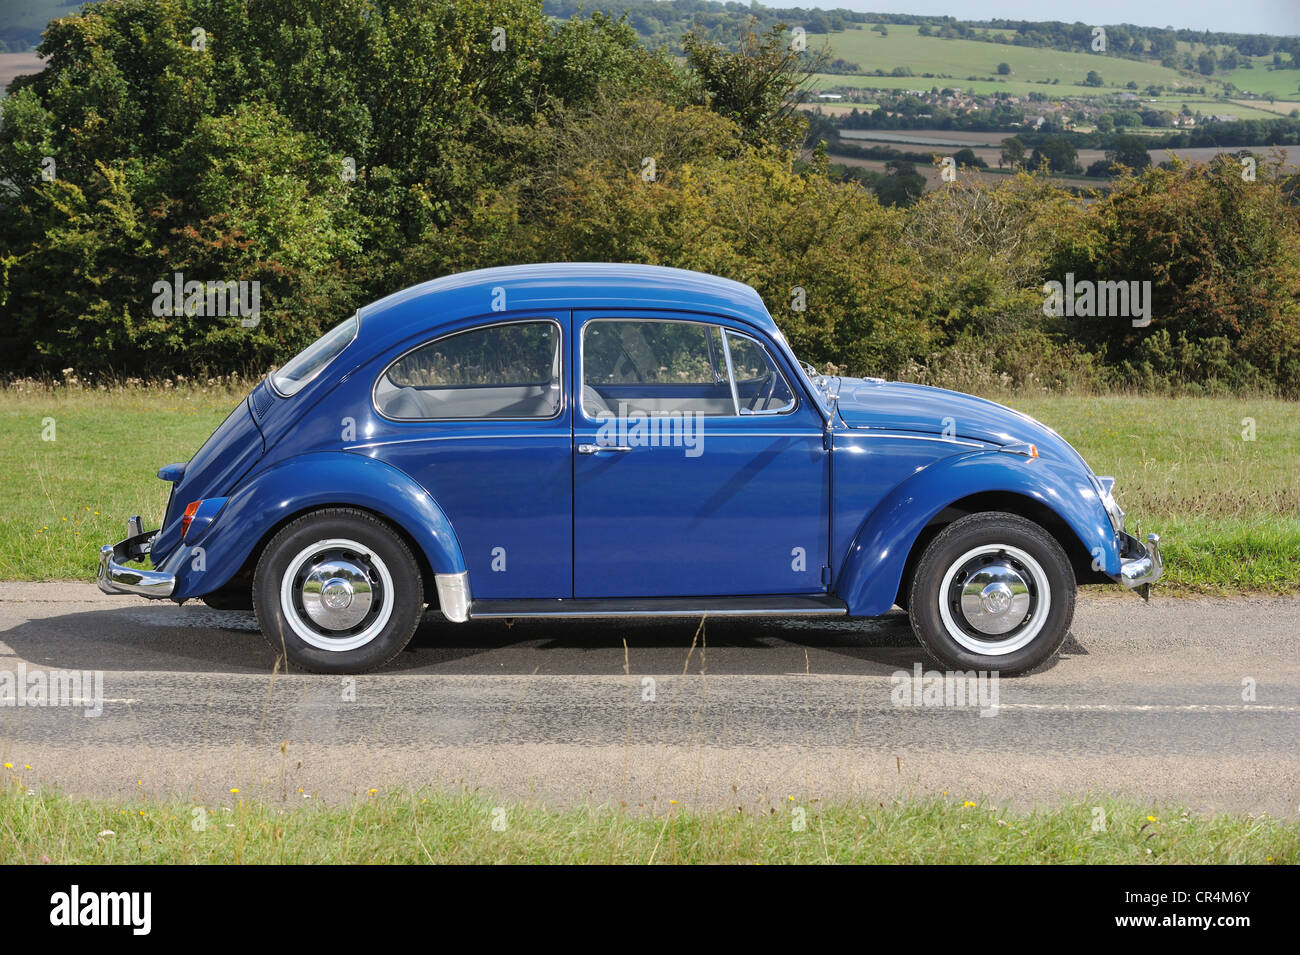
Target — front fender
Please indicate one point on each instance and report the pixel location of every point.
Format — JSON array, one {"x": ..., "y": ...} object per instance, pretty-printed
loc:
[
  {"x": 873, "y": 568},
  {"x": 306, "y": 482}
]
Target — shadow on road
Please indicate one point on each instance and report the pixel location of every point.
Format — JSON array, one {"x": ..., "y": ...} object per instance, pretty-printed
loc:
[{"x": 195, "y": 638}]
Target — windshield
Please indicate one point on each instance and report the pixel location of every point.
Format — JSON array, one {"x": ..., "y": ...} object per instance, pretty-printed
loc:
[{"x": 307, "y": 364}]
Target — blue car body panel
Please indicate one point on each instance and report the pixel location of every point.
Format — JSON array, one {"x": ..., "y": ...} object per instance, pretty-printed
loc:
[
  {"x": 826, "y": 498},
  {"x": 302, "y": 483},
  {"x": 873, "y": 565}
]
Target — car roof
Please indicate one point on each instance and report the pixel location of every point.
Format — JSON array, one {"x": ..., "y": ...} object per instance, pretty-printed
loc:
[{"x": 561, "y": 285}]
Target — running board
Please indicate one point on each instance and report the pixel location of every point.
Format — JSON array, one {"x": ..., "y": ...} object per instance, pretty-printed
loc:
[{"x": 780, "y": 605}]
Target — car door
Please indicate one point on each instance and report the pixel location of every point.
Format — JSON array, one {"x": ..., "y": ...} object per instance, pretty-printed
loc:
[
  {"x": 479, "y": 417},
  {"x": 698, "y": 468}
]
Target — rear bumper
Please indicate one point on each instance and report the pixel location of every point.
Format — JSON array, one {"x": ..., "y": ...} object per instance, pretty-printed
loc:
[
  {"x": 1140, "y": 563},
  {"x": 114, "y": 577}
]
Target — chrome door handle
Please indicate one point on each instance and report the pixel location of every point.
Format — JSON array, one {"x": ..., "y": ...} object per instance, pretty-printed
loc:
[{"x": 597, "y": 448}]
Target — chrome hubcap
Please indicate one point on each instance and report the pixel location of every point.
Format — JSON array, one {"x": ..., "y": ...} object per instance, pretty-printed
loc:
[
  {"x": 337, "y": 594},
  {"x": 994, "y": 599}
]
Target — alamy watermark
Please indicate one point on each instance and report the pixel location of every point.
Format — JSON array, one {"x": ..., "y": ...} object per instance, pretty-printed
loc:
[
  {"x": 75, "y": 907},
  {"x": 672, "y": 429},
  {"x": 208, "y": 299},
  {"x": 974, "y": 688},
  {"x": 83, "y": 688},
  {"x": 1088, "y": 299}
]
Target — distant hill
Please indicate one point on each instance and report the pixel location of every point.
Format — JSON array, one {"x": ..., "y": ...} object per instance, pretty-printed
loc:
[
  {"x": 664, "y": 22},
  {"x": 21, "y": 21}
]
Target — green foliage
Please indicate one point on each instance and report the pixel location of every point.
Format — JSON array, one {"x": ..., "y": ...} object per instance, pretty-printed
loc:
[
  {"x": 967, "y": 157},
  {"x": 1057, "y": 153},
  {"x": 1130, "y": 151},
  {"x": 1223, "y": 256},
  {"x": 333, "y": 151},
  {"x": 757, "y": 86}
]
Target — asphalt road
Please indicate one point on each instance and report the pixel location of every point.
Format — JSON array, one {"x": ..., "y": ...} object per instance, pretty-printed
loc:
[{"x": 1146, "y": 701}]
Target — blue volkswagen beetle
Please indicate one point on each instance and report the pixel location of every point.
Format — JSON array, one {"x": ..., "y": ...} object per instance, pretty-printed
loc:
[{"x": 599, "y": 440}]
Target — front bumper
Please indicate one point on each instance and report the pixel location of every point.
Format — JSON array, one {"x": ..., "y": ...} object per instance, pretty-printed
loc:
[
  {"x": 114, "y": 577},
  {"x": 1140, "y": 564}
]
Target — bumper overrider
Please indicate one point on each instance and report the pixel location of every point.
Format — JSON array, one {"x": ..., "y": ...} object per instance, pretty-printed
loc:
[
  {"x": 114, "y": 577},
  {"x": 1140, "y": 564}
]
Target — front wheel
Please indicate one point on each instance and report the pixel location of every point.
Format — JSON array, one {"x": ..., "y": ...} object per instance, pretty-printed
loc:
[
  {"x": 993, "y": 591},
  {"x": 337, "y": 591}
]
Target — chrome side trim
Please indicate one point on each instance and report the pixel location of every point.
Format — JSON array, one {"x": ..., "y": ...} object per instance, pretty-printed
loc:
[
  {"x": 453, "y": 595},
  {"x": 779, "y": 605},
  {"x": 852, "y": 432},
  {"x": 511, "y": 614}
]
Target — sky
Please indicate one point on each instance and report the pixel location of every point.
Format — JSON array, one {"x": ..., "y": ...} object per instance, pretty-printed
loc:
[{"x": 1230, "y": 16}]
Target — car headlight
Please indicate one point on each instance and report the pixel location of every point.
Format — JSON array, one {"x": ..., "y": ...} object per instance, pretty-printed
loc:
[{"x": 1106, "y": 487}]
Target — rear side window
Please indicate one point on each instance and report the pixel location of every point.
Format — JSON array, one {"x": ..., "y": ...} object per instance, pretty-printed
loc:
[
  {"x": 309, "y": 362},
  {"x": 501, "y": 371}
]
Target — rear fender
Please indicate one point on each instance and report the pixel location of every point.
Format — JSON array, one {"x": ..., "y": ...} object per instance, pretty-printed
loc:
[{"x": 302, "y": 483}]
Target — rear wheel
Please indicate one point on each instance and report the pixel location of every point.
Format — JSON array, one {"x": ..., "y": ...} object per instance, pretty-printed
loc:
[
  {"x": 338, "y": 591},
  {"x": 993, "y": 591}
]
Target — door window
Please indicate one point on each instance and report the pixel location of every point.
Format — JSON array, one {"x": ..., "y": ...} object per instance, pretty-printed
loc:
[{"x": 662, "y": 368}]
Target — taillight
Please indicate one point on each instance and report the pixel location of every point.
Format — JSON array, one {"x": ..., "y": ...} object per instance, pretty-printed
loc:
[{"x": 189, "y": 516}]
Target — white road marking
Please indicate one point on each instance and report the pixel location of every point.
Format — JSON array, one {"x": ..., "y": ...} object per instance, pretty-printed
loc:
[
  {"x": 1150, "y": 707},
  {"x": 78, "y": 701}
]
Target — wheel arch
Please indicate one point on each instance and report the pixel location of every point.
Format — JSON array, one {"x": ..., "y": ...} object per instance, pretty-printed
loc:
[
  {"x": 270, "y": 500},
  {"x": 1010, "y": 502},
  {"x": 878, "y": 565},
  {"x": 239, "y": 587}
]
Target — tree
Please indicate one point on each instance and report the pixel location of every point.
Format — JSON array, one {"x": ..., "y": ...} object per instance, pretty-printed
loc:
[
  {"x": 1130, "y": 151},
  {"x": 902, "y": 185},
  {"x": 1205, "y": 62},
  {"x": 1223, "y": 258},
  {"x": 1093, "y": 79},
  {"x": 1013, "y": 152},
  {"x": 1004, "y": 69},
  {"x": 967, "y": 157},
  {"x": 1058, "y": 153},
  {"x": 756, "y": 87}
]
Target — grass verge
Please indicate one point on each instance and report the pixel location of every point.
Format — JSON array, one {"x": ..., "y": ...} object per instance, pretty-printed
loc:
[
  {"x": 424, "y": 826},
  {"x": 1218, "y": 478}
]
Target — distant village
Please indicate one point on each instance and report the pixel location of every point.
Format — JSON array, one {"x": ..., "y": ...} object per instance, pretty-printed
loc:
[{"x": 953, "y": 107}]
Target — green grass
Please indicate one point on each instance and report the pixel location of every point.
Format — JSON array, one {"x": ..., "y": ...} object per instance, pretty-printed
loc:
[
  {"x": 61, "y": 499},
  {"x": 1228, "y": 509},
  {"x": 428, "y": 826},
  {"x": 961, "y": 58},
  {"x": 1284, "y": 84}
]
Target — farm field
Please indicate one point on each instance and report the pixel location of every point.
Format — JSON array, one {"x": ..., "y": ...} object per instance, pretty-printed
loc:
[
  {"x": 1279, "y": 108},
  {"x": 987, "y": 146},
  {"x": 958, "y": 59},
  {"x": 17, "y": 64}
]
